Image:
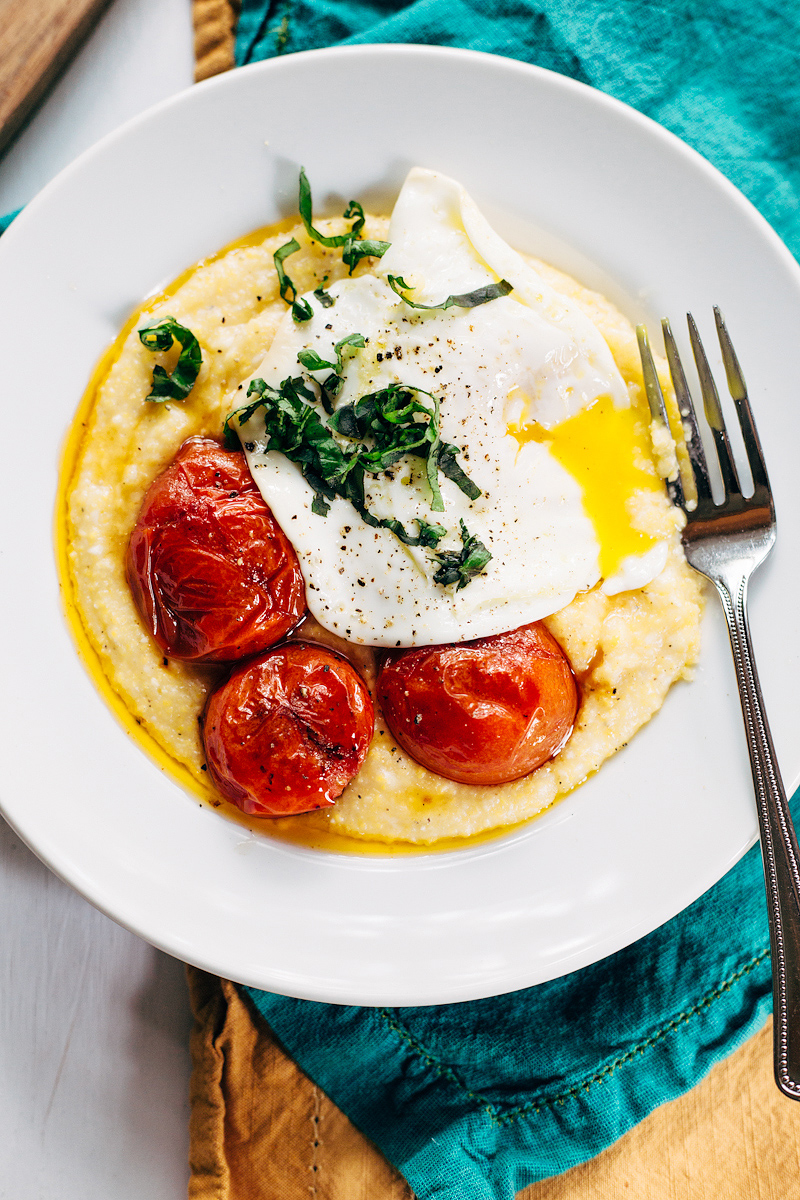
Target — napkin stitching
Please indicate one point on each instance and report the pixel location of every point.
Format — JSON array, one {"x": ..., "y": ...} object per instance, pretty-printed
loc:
[
  {"x": 534, "y": 1106},
  {"x": 680, "y": 1019},
  {"x": 315, "y": 1163},
  {"x": 441, "y": 1069}
]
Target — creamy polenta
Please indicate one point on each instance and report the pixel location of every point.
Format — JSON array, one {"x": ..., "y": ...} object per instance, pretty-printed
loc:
[{"x": 626, "y": 649}]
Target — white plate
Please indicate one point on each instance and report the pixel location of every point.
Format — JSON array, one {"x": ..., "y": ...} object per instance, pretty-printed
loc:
[{"x": 624, "y": 205}]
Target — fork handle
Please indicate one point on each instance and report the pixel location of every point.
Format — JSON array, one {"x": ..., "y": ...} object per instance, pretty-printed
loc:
[{"x": 778, "y": 841}]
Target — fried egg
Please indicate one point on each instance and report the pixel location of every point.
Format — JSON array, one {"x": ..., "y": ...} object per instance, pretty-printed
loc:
[{"x": 529, "y": 393}]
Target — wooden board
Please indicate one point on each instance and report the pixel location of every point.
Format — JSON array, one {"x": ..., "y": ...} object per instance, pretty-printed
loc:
[{"x": 37, "y": 40}]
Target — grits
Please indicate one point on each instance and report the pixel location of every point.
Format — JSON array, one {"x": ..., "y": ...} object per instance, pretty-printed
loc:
[{"x": 626, "y": 649}]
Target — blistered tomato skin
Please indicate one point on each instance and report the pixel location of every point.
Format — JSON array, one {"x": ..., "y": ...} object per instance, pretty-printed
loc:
[
  {"x": 213, "y": 575},
  {"x": 288, "y": 731},
  {"x": 482, "y": 712}
]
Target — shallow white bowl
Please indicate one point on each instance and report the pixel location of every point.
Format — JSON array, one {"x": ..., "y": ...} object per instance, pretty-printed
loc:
[{"x": 563, "y": 171}]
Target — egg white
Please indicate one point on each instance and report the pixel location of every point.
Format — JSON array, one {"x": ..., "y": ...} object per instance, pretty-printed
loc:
[{"x": 532, "y": 353}]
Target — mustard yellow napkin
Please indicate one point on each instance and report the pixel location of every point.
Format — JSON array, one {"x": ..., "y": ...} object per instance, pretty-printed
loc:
[
  {"x": 261, "y": 1130},
  {"x": 214, "y": 28}
]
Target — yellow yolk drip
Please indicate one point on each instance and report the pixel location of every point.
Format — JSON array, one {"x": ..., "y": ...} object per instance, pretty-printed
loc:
[{"x": 607, "y": 451}]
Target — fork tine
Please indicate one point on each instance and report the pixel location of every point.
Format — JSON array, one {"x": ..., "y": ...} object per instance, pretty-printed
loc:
[
  {"x": 694, "y": 445},
  {"x": 658, "y": 409},
  {"x": 738, "y": 389},
  {"x": 730, "y": 479}
]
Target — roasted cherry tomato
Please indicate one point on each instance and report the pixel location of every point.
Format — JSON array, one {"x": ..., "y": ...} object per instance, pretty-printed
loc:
[
  {"x": 212, "y": 573},
  {"x": 288, "y": 731},
  {"x": 486, "y": 711}
]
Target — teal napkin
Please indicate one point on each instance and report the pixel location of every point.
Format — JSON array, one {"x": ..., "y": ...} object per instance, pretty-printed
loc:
[
  {"x": 475, "y": 1101},
  {"x": 8, "y": 218}
]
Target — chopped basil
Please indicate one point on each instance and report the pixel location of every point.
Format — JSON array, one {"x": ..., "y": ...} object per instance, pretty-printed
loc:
[
  {"x": 348, "y": 345},
  {"x": 461, "y": 566},
  {"x": 430, "y": 535},
  {"x": 301, "y": 309},
  {"x": 331, "y": 385},
  {"x": 491, "y": 291},
  {"x": 353, "y": 250},
  {"x": 230, "y": 439},
  {"x": 294, "y": 429},
  {"x": 354, "y": 209},
  {"x": 160, "y": 337},
  {"x": 450, "y": 468},
  {"x": 387, "y": 418},
  {"x": 304, "y": 204},
  {"x": 323, "y": 297},
  {"x": 312, "y": 361},
  {"x": 257, "y": 388},
  {"x": 288, "y": 290}
]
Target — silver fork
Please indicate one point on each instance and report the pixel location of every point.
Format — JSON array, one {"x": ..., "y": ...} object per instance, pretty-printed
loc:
[{"x": 726, "y": 542}]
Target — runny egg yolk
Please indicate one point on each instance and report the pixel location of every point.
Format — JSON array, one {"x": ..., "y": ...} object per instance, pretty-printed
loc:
[{"x": 606, "y": 450}]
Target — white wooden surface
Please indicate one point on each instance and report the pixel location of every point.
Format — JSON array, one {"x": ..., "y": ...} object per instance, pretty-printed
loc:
[{"x": 94, "y": 1023}]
